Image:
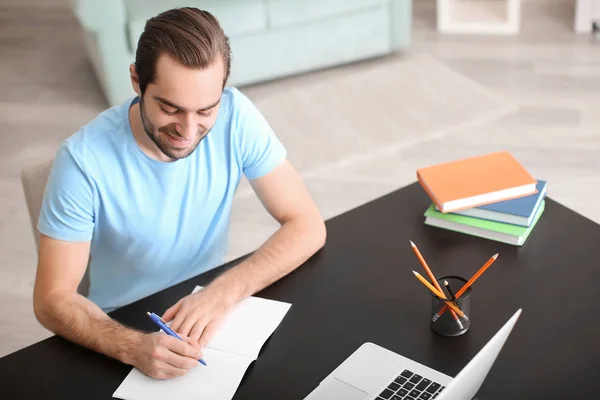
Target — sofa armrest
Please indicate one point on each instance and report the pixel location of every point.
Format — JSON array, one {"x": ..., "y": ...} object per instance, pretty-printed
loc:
[
  {"x": 95, "y": 15},
  {"x": 401, "y": 24},
  {"x": 105, "y": 32}
]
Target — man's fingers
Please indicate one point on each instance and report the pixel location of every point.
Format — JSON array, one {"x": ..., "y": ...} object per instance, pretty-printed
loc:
[
  {"x": 197, "y": 331},
  {"x": 171, "y": 312},
  {"x": 208, "y": 333},
  {"x": 179, "y": 319},
  {"x": 193, "y": 343},
  {"x": 184, "y": 348},
  {"x": 170, "y": 371},
  {"x": 167, "y": 362},
  {"x": 179, "y": 361},
  {"x": 188, "y": 324}
]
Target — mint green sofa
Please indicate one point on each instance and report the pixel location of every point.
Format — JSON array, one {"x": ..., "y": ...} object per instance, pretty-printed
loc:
[{"x": 269, "y": 38}]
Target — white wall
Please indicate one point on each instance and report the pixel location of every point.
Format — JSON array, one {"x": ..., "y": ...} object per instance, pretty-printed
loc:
[{"x": 586, "y": 12}]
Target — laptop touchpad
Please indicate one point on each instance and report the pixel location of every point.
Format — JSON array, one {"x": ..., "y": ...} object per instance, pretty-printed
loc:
[{"x": 334, "y": 389}]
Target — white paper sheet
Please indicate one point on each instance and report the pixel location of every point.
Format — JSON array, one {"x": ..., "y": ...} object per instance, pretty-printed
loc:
[
  {"x": 219, "y": 380},
  {"x": 235, "y": 345},
  {"x": 249, "y": 326}
]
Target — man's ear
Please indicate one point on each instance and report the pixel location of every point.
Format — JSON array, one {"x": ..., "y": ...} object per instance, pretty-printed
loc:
[{"x": 135, "y": 79}]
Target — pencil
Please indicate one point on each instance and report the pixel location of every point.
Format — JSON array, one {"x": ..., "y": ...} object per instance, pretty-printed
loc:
[
  {"x": 471, "y": 281},
  {"x": 447, "y": 284},
  {"x": 439, "y": 294},
  {"x": 430, "y": 274}
]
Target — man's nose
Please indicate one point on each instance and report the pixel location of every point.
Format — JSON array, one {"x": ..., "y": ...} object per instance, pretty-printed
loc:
[{"x": 189, "y": 127}]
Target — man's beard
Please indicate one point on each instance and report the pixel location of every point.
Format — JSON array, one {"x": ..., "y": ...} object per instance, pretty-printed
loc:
[{"x": 162, "y": 142}]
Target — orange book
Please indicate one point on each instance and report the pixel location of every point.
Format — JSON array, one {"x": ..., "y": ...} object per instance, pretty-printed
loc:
[{"x": 475, "y": 181}]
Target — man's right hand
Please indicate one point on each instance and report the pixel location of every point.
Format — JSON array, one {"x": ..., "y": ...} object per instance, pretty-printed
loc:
[{"x": 161, "y": 356}]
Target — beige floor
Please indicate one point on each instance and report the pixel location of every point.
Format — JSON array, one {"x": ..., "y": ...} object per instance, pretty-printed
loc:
[{"x": 536, "y": 95}]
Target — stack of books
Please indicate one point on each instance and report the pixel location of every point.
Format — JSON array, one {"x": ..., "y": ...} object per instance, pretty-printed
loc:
[{"x": 491, "y": 196}]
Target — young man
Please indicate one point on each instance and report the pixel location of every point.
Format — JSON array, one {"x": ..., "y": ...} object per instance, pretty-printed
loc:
[{"x": 144, "y": 192}]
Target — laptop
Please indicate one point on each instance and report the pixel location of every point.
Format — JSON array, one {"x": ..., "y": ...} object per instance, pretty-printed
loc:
[{"x": 375, "y": 373}]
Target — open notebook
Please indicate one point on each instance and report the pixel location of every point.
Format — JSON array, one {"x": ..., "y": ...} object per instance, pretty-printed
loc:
[{"x": 235, "y": 345}]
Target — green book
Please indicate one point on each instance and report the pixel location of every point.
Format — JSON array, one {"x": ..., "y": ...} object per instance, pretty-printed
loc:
[{"x": 501, "y": 232}]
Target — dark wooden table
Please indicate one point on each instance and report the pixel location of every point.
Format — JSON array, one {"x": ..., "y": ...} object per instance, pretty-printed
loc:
[{"x": 360, "y": 288}]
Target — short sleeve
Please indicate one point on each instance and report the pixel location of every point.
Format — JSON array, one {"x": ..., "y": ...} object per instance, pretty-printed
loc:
[
  {"x": 67, "y": 210},
  {"x": 260, "y": 149}
]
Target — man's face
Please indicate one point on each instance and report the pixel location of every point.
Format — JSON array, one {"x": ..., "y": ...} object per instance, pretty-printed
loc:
[{"x": 181, "y": 105}]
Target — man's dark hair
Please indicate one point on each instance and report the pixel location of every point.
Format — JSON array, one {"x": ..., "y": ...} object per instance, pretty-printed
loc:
[{"x": 191, "y": 36}]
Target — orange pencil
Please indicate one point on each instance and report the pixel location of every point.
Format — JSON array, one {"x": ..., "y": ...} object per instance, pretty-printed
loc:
[
  {"x": 431, "y": 276},
  {"x": 439, "y": 294},
  {"x": 470, "y": 282}
]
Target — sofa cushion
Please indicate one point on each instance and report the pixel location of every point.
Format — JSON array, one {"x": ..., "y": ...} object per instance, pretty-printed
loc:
[
  {"x": 288, "y": 12},
  {"x": 237, "y": 17},
  {"x": 328, "y": 42}
]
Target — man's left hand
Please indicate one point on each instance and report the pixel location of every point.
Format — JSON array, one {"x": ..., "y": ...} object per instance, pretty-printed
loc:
[{"x": 198, "y": 315}]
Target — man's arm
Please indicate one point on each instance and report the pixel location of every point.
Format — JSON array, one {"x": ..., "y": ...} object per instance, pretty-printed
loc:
[
  {"x": 62, "y": 310},
  {"x": 302, "y": 233},
  {"x": 59, "y": 308}
]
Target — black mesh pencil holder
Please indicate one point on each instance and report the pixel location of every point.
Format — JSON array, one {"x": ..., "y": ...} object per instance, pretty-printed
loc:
[{"x": 445, "y": 320}]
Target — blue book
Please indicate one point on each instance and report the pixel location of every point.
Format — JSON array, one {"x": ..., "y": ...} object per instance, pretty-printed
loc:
[{"x": 520, "y": 211}]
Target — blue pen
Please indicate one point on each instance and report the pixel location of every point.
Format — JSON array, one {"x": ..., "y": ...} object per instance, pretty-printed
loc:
[{"x": 163, "y": 325}]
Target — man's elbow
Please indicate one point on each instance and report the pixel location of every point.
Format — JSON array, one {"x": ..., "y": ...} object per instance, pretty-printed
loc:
[
  {"x": 40, "y": 311},
  {"x": 319, "y": 233},
  {"x": 43, "y": 304}
]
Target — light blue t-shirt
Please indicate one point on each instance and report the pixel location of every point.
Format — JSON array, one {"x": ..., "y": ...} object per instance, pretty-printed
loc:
[{"x": 153, "y": 224}]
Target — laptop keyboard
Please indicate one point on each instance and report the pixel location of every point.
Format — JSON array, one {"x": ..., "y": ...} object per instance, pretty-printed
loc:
[{"x": 411, "y": 386}]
